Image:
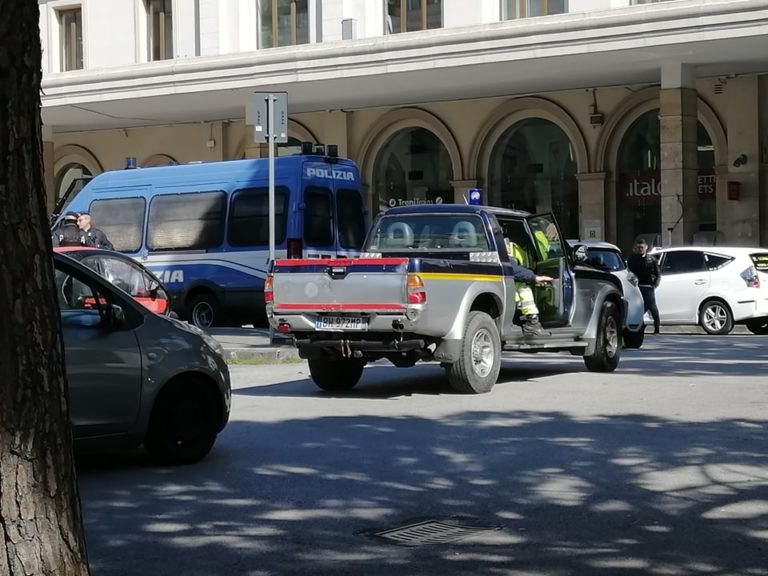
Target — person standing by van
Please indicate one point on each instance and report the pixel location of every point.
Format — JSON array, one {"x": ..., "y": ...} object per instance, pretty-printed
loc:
[
  {"x": 90, "y": 236},
  {"x": 68, "y": 233}
]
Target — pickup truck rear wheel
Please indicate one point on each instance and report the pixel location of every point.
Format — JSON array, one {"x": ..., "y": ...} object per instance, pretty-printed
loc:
[
  {"x": 608, "y": 345},
  {"x": 335, "y": 375},
  {"x": 477, "y": 368}
]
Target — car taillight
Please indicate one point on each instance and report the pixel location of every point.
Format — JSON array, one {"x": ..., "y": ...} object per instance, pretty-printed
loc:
[
  {"x": 416, "y": 292},
  {"x": 751, "y": 278},
  {"x": 269, "y": 296},
  {"x": 295, "y": 248}
]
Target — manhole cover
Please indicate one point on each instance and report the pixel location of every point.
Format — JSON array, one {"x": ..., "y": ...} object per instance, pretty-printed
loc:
[{"x": 432, "y": 532}]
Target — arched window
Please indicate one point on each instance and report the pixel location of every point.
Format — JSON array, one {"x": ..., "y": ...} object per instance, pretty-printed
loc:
[
  {"x": 413, "y": 167},
  {"x": 70, "y": 180},
  {"x": 532, "y": 168},
  {"x": 639, "y": 182}
]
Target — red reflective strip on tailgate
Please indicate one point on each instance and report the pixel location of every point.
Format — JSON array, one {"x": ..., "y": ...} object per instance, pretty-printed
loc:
[
  {"x": 340, "y": 261},
  {"x": 338, "y": 307}
]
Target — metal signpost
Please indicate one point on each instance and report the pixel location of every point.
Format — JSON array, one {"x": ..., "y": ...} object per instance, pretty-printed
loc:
[{"x": 267, "y": 112}]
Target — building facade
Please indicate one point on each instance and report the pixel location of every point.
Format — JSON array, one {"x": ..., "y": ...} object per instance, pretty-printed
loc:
[{"x": 625, "y": 118}]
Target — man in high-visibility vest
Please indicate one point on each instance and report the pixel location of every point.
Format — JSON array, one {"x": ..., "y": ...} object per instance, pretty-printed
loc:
[{"x": 524, "y": 277}]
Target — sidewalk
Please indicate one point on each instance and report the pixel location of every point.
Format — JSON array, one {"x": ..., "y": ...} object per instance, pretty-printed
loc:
[{"x": 252, "y": 344}]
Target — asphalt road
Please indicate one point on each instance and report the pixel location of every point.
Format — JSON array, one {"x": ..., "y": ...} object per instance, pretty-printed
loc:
[{"x": 658, "y": 468}]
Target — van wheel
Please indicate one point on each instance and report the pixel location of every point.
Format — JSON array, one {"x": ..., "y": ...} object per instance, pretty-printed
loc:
[
  {"x": 335, "y": 375},
  {"x": 204, "y": 310},
  {"x": 608, "y": 344},
  {"x": 184, "y": 422},
  {"x": 634, "y": 339},
  {"x": 715, "y": 317},
  {"x": 477, "y": 369},
  {"x": 758, "y": 326}
]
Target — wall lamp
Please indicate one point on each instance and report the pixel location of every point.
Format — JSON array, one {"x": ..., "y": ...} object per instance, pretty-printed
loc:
[{"x": 740, "y": 160}]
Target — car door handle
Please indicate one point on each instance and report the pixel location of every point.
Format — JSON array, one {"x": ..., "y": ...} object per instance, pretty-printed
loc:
[{"x": 699, "y": 282}]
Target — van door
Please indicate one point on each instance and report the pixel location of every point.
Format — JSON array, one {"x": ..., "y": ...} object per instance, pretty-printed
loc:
[{"x": 555, "y": 301}]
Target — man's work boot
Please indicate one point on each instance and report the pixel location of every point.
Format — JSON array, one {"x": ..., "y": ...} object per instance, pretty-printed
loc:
[{"x": 532, "y": 327}]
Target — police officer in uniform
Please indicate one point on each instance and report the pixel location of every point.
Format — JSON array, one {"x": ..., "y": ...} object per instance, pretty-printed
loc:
[
  {"x": 68, "y": 233},
  {"x": 90, "y": 236},
  {"x": 524, "y": 277}
]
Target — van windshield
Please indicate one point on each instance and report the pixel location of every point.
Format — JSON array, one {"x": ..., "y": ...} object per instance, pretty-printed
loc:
[{"x": 434, "y": 232}]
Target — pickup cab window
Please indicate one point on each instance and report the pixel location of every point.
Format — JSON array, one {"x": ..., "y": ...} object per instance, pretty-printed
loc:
[{"x": 433, "y": 232}]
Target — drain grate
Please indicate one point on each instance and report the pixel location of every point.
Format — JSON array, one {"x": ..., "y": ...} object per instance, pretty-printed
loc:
[{"x": 431, "y": 532}]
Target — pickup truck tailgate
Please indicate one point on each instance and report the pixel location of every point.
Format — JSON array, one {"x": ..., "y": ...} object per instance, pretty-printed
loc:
[{"x": 348, "y": 285}]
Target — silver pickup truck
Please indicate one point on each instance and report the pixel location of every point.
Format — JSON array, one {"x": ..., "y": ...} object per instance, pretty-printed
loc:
[{"x": 436, "y": 283}]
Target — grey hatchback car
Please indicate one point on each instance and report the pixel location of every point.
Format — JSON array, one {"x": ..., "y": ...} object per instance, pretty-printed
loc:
[{"x": 136, "y": 377}]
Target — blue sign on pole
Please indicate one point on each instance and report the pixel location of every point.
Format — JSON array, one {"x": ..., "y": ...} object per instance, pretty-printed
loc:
[{"x": 475, "y": 195}]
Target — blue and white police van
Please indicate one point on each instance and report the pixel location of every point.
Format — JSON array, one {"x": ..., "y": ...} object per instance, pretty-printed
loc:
[{"x": 203, "y": 228}]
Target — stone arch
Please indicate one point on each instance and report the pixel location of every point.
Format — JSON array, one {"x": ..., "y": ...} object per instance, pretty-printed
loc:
[
  {"x": 158, "y": 160},
  {"x": 401, "y": 118},
  {"x": 632, "y": 108},
  {"x": 295, "y": 130},
  {"x": 76, "y": 154},
  {"x": 510, "y": 113}
]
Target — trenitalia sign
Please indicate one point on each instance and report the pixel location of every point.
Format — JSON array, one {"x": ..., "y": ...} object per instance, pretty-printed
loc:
[{"x": 645, "y": 187}]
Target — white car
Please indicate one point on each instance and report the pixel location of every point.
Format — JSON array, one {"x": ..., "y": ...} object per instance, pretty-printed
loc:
[
  {"x": 714, "y": 287},
  {"x": 607, "y": 256}
]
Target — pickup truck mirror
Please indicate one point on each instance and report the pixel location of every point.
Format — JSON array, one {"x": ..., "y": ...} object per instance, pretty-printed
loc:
[{"x": 580, "y": 254}]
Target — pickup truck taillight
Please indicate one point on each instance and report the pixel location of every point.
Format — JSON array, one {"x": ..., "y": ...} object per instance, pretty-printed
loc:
[
  {"x": 416, "y": 292},
  {"x": 268, "y": 295},
  {"x": 295, "y": 248}
]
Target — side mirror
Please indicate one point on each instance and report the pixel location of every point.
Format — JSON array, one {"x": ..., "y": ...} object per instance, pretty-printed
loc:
[{"x": 580, "y": 254}]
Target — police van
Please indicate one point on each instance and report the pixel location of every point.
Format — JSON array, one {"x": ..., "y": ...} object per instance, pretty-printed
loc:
[{"x": 203, "y": 228}]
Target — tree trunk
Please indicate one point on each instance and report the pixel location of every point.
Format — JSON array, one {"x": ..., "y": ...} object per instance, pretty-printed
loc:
[{"x": 40, "y": 522}]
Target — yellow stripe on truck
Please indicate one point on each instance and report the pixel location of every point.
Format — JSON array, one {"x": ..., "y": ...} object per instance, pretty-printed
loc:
[{"x": 468, "y": 277}]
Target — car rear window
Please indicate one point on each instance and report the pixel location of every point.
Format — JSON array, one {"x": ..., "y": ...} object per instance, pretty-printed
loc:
[
  {"x": 605, "y": 259},
  {"x": 715, "y": 262},
  {"x": 447, "y": 232},
  {"x": 760, "y": 261}
]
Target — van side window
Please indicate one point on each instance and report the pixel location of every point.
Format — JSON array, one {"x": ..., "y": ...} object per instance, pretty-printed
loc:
[
  {"x": 122, "y": 220},
  {"x": 249, "y": 216},
  {"x": 350, "y": 218},
  {"x": 186, "y": 221},
  {"x": 318, "y": 216}
]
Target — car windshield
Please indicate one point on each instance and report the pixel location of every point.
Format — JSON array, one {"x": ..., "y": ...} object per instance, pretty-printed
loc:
[
  {"x": 605, "y": 259},
  {"x": 448, "y": 232}
]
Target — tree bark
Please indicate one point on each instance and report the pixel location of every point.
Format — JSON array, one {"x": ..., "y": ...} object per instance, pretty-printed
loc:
[{"x": 40, "y": 521}]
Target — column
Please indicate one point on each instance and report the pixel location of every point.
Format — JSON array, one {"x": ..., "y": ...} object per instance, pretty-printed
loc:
[
  {"x": 592, "y": 225},
  {"x": 739, "y": 218},
  {"x": 678, "y": 123},
  {"x": 48, "y": 169},
  {"x": 337, "y": 131}
]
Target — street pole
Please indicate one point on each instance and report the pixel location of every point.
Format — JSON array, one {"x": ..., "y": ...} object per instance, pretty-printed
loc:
[{"x": 271, "y": 145}]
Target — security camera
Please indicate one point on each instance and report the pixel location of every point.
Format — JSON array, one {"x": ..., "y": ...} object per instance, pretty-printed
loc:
[{"x": 740, "y": 161}]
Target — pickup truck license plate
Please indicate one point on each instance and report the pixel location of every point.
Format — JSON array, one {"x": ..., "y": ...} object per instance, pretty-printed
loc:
[{"x": 341, "y": 323}]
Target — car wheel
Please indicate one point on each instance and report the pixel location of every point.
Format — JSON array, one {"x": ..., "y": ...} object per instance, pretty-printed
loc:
[
  {"x": 634, "y": 339},
  {"x": 477, "y": 368},
  {"x": 335, "y": 375},
  {"x": 715, "y": 317},
  {"x": 758, "y": 326},
  {"x": 204, "y": 310},
  {"x": 184, "y": 422},
  {"x": 607, "y": 352}
]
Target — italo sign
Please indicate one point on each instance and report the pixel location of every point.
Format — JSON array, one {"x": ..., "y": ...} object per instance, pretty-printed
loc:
[{"x": 645, "y": 187}]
